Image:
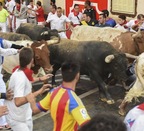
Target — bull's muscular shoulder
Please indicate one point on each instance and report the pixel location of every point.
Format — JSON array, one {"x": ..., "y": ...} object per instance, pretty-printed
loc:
[{"x": 87, "y": 33}]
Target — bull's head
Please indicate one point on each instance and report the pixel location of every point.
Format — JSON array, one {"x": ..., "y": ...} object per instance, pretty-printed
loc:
[
  {"x": 117, "y": 65},
  {"x": 139, "y": 41},
  {"x": 41, "y": 56},
  {"x": 51, "y": 35}
]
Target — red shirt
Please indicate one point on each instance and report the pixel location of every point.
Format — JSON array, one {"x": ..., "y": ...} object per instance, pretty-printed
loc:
[{"x": 40, "y": 15}]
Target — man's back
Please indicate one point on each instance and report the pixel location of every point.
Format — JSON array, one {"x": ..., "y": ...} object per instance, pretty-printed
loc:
[{"x": 66, "y": 108}]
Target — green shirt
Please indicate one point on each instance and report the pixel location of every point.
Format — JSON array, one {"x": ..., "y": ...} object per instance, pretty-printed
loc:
[{"x": 3, "y": 15}]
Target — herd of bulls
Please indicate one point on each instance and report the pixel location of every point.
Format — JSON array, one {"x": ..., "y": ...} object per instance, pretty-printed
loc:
[{"x": 98, "y": 55}]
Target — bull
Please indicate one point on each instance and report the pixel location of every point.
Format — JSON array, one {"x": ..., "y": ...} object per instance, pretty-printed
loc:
[
  {"x": 41, "y": 52},
  {"x": 126, "y": 42},
  {"x": 97, "y": 60},
  {"x": 14, "y": 36},
  {"x": 37, "y": 32}
]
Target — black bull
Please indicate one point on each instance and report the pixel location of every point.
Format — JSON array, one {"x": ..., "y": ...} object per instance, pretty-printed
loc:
[
  {"x": 97, "y": 60},
  {"x": 37, "y": 32}
]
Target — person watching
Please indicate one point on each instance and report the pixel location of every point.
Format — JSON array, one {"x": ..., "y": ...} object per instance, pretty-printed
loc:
[{"x": 102, "y": 21}]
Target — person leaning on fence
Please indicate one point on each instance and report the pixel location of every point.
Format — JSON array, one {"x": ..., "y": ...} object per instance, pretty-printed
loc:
[{"x": 66, "y": 108}]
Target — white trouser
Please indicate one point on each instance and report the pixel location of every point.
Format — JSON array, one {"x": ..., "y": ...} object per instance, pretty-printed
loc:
[
  {"x": 19, "y": 21},
  {"x": 41, "y": 23},
  {"x": 20, "y": 126},
  {"x": 62, "y": 35},
  {"x": 2, "y": 90},
  {"x": 32, "y": 20},
  {"x": 3, "y": 27}
]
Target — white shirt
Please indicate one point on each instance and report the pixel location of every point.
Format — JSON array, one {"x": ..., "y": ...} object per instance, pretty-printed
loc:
[
  {"x": 118, "y": 26},
  {"x": 57, "y": 22},
  {"x": 74, "y": 18},
  {"x": 138, "y": 124},
  {"x": 10, "y": 5},
  {"x": 32, "y": 10},
  {"x": 131, "y": 23},
  {"x": 21, "y": 86},
  {"x": 49, "y": 14},
  {"x": 5, "y": 51},
  {"x": 132, "y": 115}
]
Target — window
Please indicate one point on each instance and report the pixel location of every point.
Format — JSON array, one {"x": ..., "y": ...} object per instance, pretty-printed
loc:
[{"x": 127, "y": 7}]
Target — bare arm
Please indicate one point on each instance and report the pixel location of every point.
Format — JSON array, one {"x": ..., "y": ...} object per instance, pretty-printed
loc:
[
  {"x": 19, "y": 101},
  {"x": 43, "y": 78},
  {"x": 31, "y": 99}
]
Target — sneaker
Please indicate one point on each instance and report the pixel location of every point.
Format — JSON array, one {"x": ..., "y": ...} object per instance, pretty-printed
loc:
[{"x": 7, "y": 127}]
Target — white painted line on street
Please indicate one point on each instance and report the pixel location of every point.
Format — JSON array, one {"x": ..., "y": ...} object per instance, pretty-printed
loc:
[
  {"x": 58, "y": 80},
  {"x": 88, "y": 93},
  {"x": 35, "y": 117}
]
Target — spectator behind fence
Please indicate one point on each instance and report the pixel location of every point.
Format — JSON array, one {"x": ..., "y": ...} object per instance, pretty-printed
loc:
[
  {"x": 10, "y": 4},
  {"x": 40, "y": 14},
  {"x": 109, "y": 20},
  {"x": 104, "y": 122},
  {"x": 66, "y": 108},
  {"x": 52, "y": 2},
  {"x": 53, "y": 9},
  {"x": 87, "y": 20},
  {"x": 31, "y": 13},
  {"x": 58, "y": 22},
  {"x": 121, "y": 22},
  {"x": 102, "y": 21},
  {"x": 135, "y": 25},
  {"x": 75, "y": 16},
  {"x": 90, "y": 9},
  {"x": 20, "y": 12},
  {"x": 3, "y": 18}
]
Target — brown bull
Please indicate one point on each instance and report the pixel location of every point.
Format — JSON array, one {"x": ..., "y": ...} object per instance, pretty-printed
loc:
[
  {"x": 126, "y": 42},
  {"x": 41, "y": 59},
  {"x": 129, "y": 42}
]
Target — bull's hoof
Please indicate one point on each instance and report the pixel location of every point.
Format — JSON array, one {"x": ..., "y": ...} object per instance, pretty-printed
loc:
[
  {"x": 122, "y": 113},
  {"x": 107, "y": 101},
  {"x": 110, "y": 102},
  {"x": 103, "y": 99}
]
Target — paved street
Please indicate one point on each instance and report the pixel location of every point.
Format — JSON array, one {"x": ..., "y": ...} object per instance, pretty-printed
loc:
[{"x": 88, "y": 92}]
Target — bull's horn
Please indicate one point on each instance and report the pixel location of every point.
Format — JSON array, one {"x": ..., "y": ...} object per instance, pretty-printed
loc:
[
  {"x": 45, "y": 33},
  {"x": 109, "y": 58},
  {"x": 138, "y": 34},
  {"x": 59, "y": 31},
  {"x": 131, "y": 56},
  {"x": 51, "y": 42}
]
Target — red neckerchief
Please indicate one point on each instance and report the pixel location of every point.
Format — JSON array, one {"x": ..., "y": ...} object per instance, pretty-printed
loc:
[
  {"x": 123, "y": 23},
  {"x": 136, "y": 21},
  {"x": 18, "y": 7},
  {"x": 28, "y": 72},
  {"x": 141, "y": 106},
  {"x": 75, "y": 13}
]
